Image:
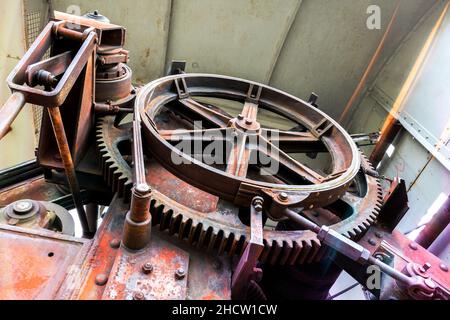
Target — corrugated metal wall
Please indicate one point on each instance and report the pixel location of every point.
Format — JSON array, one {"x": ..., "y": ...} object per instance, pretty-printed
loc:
[
  {"x": 427, "y": 179},
  {"x": 297, "y": 46}
]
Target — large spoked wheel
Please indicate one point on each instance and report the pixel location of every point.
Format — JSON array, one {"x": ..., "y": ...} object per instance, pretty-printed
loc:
[{"x": 243, "y": 143}]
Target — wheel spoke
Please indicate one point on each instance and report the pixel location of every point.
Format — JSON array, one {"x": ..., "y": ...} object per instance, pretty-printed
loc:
[
  {"x": 250, "y": 111},
  {"x": 288, "y": 162},
  {"x": 208, "y": 114},
  {"x": 291, "y": 141},
  {"x": 206, "y": 135},
  {"x": 239, "y": 158}
]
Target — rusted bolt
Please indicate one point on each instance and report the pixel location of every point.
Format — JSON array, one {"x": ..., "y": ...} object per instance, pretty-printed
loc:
[
  {"x": 379, "y": 235},
  {"x": 425, "y": 267},
  {"x": 143, "y": 189},
  {"x": 413, "y": 246},
  {"x": 257, "y": 203},
  {"x": 138, "y": 296},
  {"x": 147, "y": 268},
  {"x": 283, "y": 196},
  {"x": 372, "y": 242},
  {"x": 379, "y": 256},
  {"x": 22, "y": 206},
  {"x": 443, "y": 267},
  {"x": 180, "y": 274},
  {"x": 101, "y": 279},
  {"x": 114, "y": 243}
]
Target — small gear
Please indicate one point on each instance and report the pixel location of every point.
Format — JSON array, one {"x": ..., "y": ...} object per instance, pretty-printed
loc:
[{"x": 220, "y": 230}]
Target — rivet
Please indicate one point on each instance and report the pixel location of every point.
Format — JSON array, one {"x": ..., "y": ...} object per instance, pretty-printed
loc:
[
  {"x": 114, "y": 243},
  {"x": 138, "y": 296},
  {"x": 379, "y": 235},
  {"x": 372, "y": 242},
  {"x": 101, "y": 279},
  {"x": 443, "y": 267},
  {"x": 283, "y": 196},
  {"x": 413, "y": 245}
]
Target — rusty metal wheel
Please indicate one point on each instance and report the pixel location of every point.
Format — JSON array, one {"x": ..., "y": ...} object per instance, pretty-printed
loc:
[
  {"x": 216, "y": 223},
  {"x": 246, "y": 142}
]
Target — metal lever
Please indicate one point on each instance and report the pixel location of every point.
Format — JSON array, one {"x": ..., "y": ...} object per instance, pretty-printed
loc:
[
  {"x": 9, "y": 112},
  {"x": 415, "y": 285}
]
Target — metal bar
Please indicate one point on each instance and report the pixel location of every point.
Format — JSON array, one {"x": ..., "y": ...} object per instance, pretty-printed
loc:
[
  {"x": 137, "y": 228},
  {"x": 435, "y": 227},
  {"x": 66, "y": 157},
  {"x": 9, "y": 112},
  {"x": 386, "y": 138}
]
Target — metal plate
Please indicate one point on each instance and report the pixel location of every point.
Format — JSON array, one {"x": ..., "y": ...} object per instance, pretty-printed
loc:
[
  {"x": 34, "y": 263},
  {"x": 127, "y": 278}
]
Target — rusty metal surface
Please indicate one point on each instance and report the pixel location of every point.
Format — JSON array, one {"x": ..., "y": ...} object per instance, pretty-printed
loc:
[
  {"x": 127, "y": 278},
  {"x": 405, "y": 251},
  {"x": 35, "y": 188},
  {"x": 9, "y": 112},
  {"x": 100, "y": 257},
  {"x": 321, "y": 190},
  {"x": 41, "y": 260},
  {"x": 207, "y": 222}
]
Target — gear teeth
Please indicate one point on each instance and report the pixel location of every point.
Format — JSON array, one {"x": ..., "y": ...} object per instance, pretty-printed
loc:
[
  {"x": 285, "y": 253},
  {"x": 275, "y": 252},
  {"x": 201, "y": 234},
  {"x": 315, "y": 247},
  {"x": 303, "y": 257},
  {"x": 297, "y": 249},
  {"x": 114, "y": 176}
]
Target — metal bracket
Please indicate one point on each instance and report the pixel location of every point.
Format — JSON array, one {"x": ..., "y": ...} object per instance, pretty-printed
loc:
[
  {"x": 182, "y": 89},
  {"x": 246, "y": 269}
]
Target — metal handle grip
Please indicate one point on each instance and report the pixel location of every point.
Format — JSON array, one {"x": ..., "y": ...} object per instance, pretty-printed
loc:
[{"x": 9, "y": 112}]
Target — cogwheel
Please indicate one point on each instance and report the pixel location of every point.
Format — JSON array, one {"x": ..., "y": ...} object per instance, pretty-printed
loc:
[
  {"x": 112, "y": 143},
  {"x": 221, "y": 230}
]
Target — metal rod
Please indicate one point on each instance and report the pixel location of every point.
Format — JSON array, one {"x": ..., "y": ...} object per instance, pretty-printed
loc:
[
  {"x": 9, "y": 112},
  {"x": 66, "y": 157},
  {"x": 435, "y": 227},
  {"x": 294, "y": 216},
  {"x": 387, "y": 137},
  {"x": 397, "y": 275}
]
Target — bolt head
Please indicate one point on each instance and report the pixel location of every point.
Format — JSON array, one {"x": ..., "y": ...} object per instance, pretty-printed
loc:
[
  {"x": 114, "y": 243},
  {"x": 240, "y": 117},
  {"x": 248, "y": 121},
  {"x": 379, "y": 235},
  {"x": 180, "y": 273},
  {"x": 283, "y": 196},
  {"x": 372, "y": 242},
  {"x": 22, "y": 206},
  {"x": 413, "y": 246},
  {"x": 443, "y": 267},
  {"x": 147, "y": 268},
  {"x": 425, "y": 267},
  {"x": 143, "y": 188},
  {"x": 101, "y": 279},
  {"x": 138, "y": 296}
]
